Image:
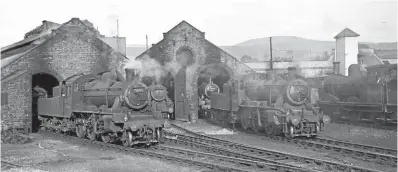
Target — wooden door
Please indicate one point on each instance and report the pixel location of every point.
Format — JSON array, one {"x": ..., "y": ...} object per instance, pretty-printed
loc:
[{"x": 181, "y": 108}]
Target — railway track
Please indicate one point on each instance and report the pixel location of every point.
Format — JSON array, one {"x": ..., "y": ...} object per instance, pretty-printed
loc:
[
  {"x": 360, "y": 151},
  {"x": 367, "y": 152},
  {"x": 190, "y": 157},
  {"x": 7, "y": 165},
  {"x": 255, "y": 152},
  {"x": 364, "y": 152}
]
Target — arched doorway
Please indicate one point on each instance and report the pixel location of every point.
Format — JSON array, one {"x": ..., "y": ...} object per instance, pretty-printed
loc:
[
  {"x": 219, "y": 74},
  {"x": 41, "y": 82}
]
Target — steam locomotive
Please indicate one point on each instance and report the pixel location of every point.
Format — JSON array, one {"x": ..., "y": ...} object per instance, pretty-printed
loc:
[
  {"x": 276, "y": 103},
  {"x": 108, "y": 107},
  {"x": 361, "y": 99}
]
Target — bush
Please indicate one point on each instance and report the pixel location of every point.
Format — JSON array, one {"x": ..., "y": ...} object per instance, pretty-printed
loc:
[{"x": 13, "y": 136}]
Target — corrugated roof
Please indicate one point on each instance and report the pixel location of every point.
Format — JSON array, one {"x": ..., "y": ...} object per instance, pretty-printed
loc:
[{"x": 346, "y": 33}]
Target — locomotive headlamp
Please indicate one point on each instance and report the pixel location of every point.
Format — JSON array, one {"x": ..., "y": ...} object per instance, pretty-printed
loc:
[{"x": 326, "y": 119}]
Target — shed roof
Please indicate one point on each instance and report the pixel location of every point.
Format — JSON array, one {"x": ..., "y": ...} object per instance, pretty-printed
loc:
[
  {"x": 16, "y": 50},
  {"x": 346, "y": 33},
  {"x": 16, "y": 74},
  {"x": 369, "y": 58},
  {"x": 207, "y": 41}
]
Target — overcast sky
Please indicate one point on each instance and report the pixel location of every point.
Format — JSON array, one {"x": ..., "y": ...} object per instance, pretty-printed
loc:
[{"x": 226, "y": 22}]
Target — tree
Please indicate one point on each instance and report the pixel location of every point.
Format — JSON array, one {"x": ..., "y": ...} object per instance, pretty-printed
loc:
[
  {"x": 246, "y": 59},
  {"x": 364, "y": 46}
]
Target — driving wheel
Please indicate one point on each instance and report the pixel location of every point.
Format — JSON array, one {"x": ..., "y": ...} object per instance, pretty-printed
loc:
[
  {"x": 106, "y": 138},
  {"x": 255, "y": 126},
  {"x": 127, "y": 138}
]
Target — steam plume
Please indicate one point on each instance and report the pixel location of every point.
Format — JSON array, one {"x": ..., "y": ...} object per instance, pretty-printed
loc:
[{"x": 149, "y": 67}]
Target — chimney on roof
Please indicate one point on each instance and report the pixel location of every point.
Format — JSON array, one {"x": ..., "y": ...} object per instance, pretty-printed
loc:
[
  {"x": 53, "y": 32},
  {"x": 153, "y": 45},
  {"x": 45, "y": 26},
  {"x": 336, "y": 68}
]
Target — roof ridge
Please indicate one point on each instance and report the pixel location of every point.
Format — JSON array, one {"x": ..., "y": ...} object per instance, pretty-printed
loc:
[{"x": 183, "y": 21}]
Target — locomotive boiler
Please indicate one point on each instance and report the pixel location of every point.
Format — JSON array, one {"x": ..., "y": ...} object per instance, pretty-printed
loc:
[
  {"x": 361, "y": 99},
  {"x": 278, "y": 104},
  {"x": 107, "y": 107}
]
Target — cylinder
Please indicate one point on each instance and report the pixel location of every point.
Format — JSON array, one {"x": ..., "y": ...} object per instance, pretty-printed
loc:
[{"x": 336, "y": 68}]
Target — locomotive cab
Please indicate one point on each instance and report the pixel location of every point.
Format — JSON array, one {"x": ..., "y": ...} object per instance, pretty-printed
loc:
[{"x": 269, "y": 102}]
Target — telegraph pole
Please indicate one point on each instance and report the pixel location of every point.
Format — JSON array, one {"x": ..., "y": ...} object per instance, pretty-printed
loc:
[
  {"x": 146, "y": 37},
  {"x": 117, "y": 34},
  {"x": 270, "y": 45}
]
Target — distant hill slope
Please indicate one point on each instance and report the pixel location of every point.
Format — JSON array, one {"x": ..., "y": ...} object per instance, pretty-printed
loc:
[{"x": 284, "y": 46}]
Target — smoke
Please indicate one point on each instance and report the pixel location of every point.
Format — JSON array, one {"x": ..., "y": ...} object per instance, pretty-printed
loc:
[
  {"x": 149, "y": 67},
  {"x": 173, "y": 67},
  {"x": 112, "y": 24}
]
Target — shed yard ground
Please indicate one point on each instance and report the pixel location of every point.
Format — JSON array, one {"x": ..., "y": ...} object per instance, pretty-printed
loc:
[
  {"x": 45, "y": 154},
  {"x": 356, "y": 134},
  {"x": 375, "y": 137}
]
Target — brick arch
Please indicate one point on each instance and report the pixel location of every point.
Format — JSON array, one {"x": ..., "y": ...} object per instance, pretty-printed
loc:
[
  {"x": 201, "y": 68},
  {"x": 49, "y": 72}
]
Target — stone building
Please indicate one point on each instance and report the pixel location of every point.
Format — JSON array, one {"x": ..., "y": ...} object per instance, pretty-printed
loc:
[
  {"x": 197, "y": 61},
  {"x": 45, "y": 57},
  {"x": 346, "y": 49}
]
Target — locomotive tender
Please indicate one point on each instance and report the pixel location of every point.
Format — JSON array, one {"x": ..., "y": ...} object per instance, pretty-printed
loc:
[
  {"x": 280, "y": 104},
  {"x": 357, "y": 98},
  {"x": 108, "y": 107}
]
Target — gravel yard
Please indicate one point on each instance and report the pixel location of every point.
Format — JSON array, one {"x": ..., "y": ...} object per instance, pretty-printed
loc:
[
  {"x": 45, "y": 154},
  {"x": 368, "y": 136},
  {"x": 332, "y": 131}
]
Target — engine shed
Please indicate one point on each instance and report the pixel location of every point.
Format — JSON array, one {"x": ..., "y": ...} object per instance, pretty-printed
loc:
[
  {"x": 46, "y": 56},
  {"x": 194, "y": 61}
]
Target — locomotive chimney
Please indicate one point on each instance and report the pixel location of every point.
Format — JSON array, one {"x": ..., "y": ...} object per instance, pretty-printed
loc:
[
  {"x": 336, "y": 68},
  {"x": 130, "y": 74}
]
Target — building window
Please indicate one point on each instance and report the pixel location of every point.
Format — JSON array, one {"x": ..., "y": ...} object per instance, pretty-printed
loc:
[{"x": 4, "y": 98}]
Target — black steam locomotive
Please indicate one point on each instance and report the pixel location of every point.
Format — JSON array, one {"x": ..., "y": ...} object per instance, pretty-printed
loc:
[
  {"x": 362, "y": 99},
  {"x": 276, "y": 103},
  {"x": 108, "y": 107}
]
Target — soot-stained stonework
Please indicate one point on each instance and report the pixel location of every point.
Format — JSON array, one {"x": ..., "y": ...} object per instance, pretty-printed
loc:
[
  {"x": 16, "y": 110},
  {"x": 185, "y": 36},
  {"x": 60, "y": 51}
]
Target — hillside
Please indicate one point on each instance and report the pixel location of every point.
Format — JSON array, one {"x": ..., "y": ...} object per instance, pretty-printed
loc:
[{"x": 284, "y": 47}]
